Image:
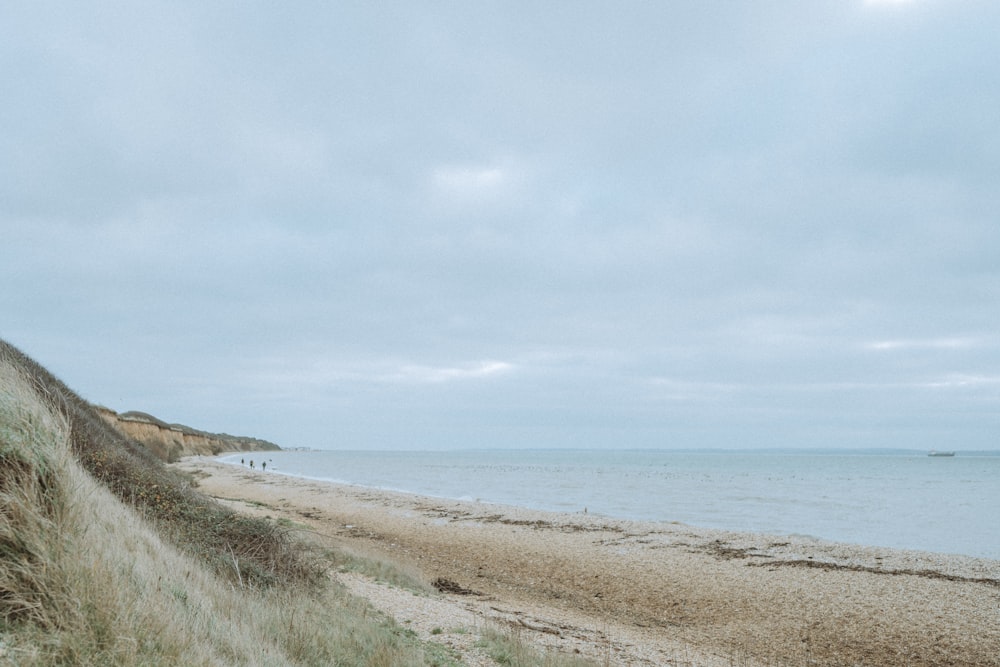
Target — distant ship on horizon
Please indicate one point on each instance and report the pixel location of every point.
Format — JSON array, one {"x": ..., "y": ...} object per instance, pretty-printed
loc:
[{"x": 935, "y": 452}]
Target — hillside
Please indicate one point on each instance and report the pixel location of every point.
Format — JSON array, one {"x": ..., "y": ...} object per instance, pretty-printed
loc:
[
  {"x": 170, "y": 442},
  {"x": 107, "y": 557}
]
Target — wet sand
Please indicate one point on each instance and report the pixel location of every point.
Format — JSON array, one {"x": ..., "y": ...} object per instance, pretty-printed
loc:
[{"x": 664, "y": 589}]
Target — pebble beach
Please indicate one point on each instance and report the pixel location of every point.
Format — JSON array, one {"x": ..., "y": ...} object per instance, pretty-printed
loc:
[{"x": 648, "y": 593}]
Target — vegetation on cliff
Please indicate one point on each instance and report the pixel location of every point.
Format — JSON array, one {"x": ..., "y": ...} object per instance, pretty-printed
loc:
[{"x": 170, "y": 442}]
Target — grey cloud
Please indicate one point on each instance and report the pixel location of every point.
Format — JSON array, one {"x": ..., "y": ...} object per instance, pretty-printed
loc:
[{"x": 669, "y": 225}]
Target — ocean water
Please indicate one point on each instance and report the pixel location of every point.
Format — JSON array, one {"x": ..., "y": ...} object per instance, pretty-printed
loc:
[{"x": 901, "y": 500}]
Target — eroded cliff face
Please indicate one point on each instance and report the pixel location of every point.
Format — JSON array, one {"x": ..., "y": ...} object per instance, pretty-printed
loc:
[{"x": 172, "y": 441}]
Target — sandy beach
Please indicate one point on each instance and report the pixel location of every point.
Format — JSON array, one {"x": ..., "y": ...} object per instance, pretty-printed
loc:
[{"x": 635, "y": 593}]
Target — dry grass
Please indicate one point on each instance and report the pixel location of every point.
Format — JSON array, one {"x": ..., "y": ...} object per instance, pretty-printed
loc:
[
  {"x": 507, "y": 647},
  {"x": 216, "y": 535},
  {"x": 107, "y": 557},
  {"x": 86, "y": 578},
  {"x": 377, "y": 567}
]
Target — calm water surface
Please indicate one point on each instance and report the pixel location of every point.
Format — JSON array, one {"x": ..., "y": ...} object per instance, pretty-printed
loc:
[{"x": 900, "y": 500}]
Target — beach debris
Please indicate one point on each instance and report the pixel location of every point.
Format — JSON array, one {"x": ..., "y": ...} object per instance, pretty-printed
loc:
[
  {"x": 449, "y": 586},
  {"x": 547, "y": 629}
]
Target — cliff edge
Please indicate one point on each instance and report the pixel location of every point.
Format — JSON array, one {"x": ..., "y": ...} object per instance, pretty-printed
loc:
[{"x": 169, "y": 442}]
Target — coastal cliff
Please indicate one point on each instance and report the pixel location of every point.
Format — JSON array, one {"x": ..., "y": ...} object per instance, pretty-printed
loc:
[{"x": 170, "y": 442}]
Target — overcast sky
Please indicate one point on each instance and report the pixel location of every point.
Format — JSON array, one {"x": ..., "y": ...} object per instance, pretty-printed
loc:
[{"x": 511, "y": 224}]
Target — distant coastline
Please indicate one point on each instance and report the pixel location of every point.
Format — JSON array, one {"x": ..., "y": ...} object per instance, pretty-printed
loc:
[{"x": 171, "y": 442}]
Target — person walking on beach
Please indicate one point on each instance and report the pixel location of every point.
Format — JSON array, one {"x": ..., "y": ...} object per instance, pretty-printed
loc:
[
  {"x": 251, "y": 464},
  {"x": 263, "y": 466}
]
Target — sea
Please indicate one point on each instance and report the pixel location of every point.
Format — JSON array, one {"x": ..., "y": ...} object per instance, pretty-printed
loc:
[{"x": 885, "y": 498}]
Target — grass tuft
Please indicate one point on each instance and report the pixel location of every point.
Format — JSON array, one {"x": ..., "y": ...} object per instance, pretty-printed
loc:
[{"x": 506, "y": 647}]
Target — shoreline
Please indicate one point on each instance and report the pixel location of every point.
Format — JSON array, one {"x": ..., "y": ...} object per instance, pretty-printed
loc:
[
  {"x": 659, "y": 586},
  {"x": 797, "y": 533}
]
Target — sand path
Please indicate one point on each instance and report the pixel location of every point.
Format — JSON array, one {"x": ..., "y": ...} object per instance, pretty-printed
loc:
[{"x": 639, "y": 593}]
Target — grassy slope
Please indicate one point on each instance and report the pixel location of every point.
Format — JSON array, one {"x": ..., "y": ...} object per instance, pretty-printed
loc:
[
  {"x": 140, "y": 480},
  {"x": 108, "y": 557}
]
